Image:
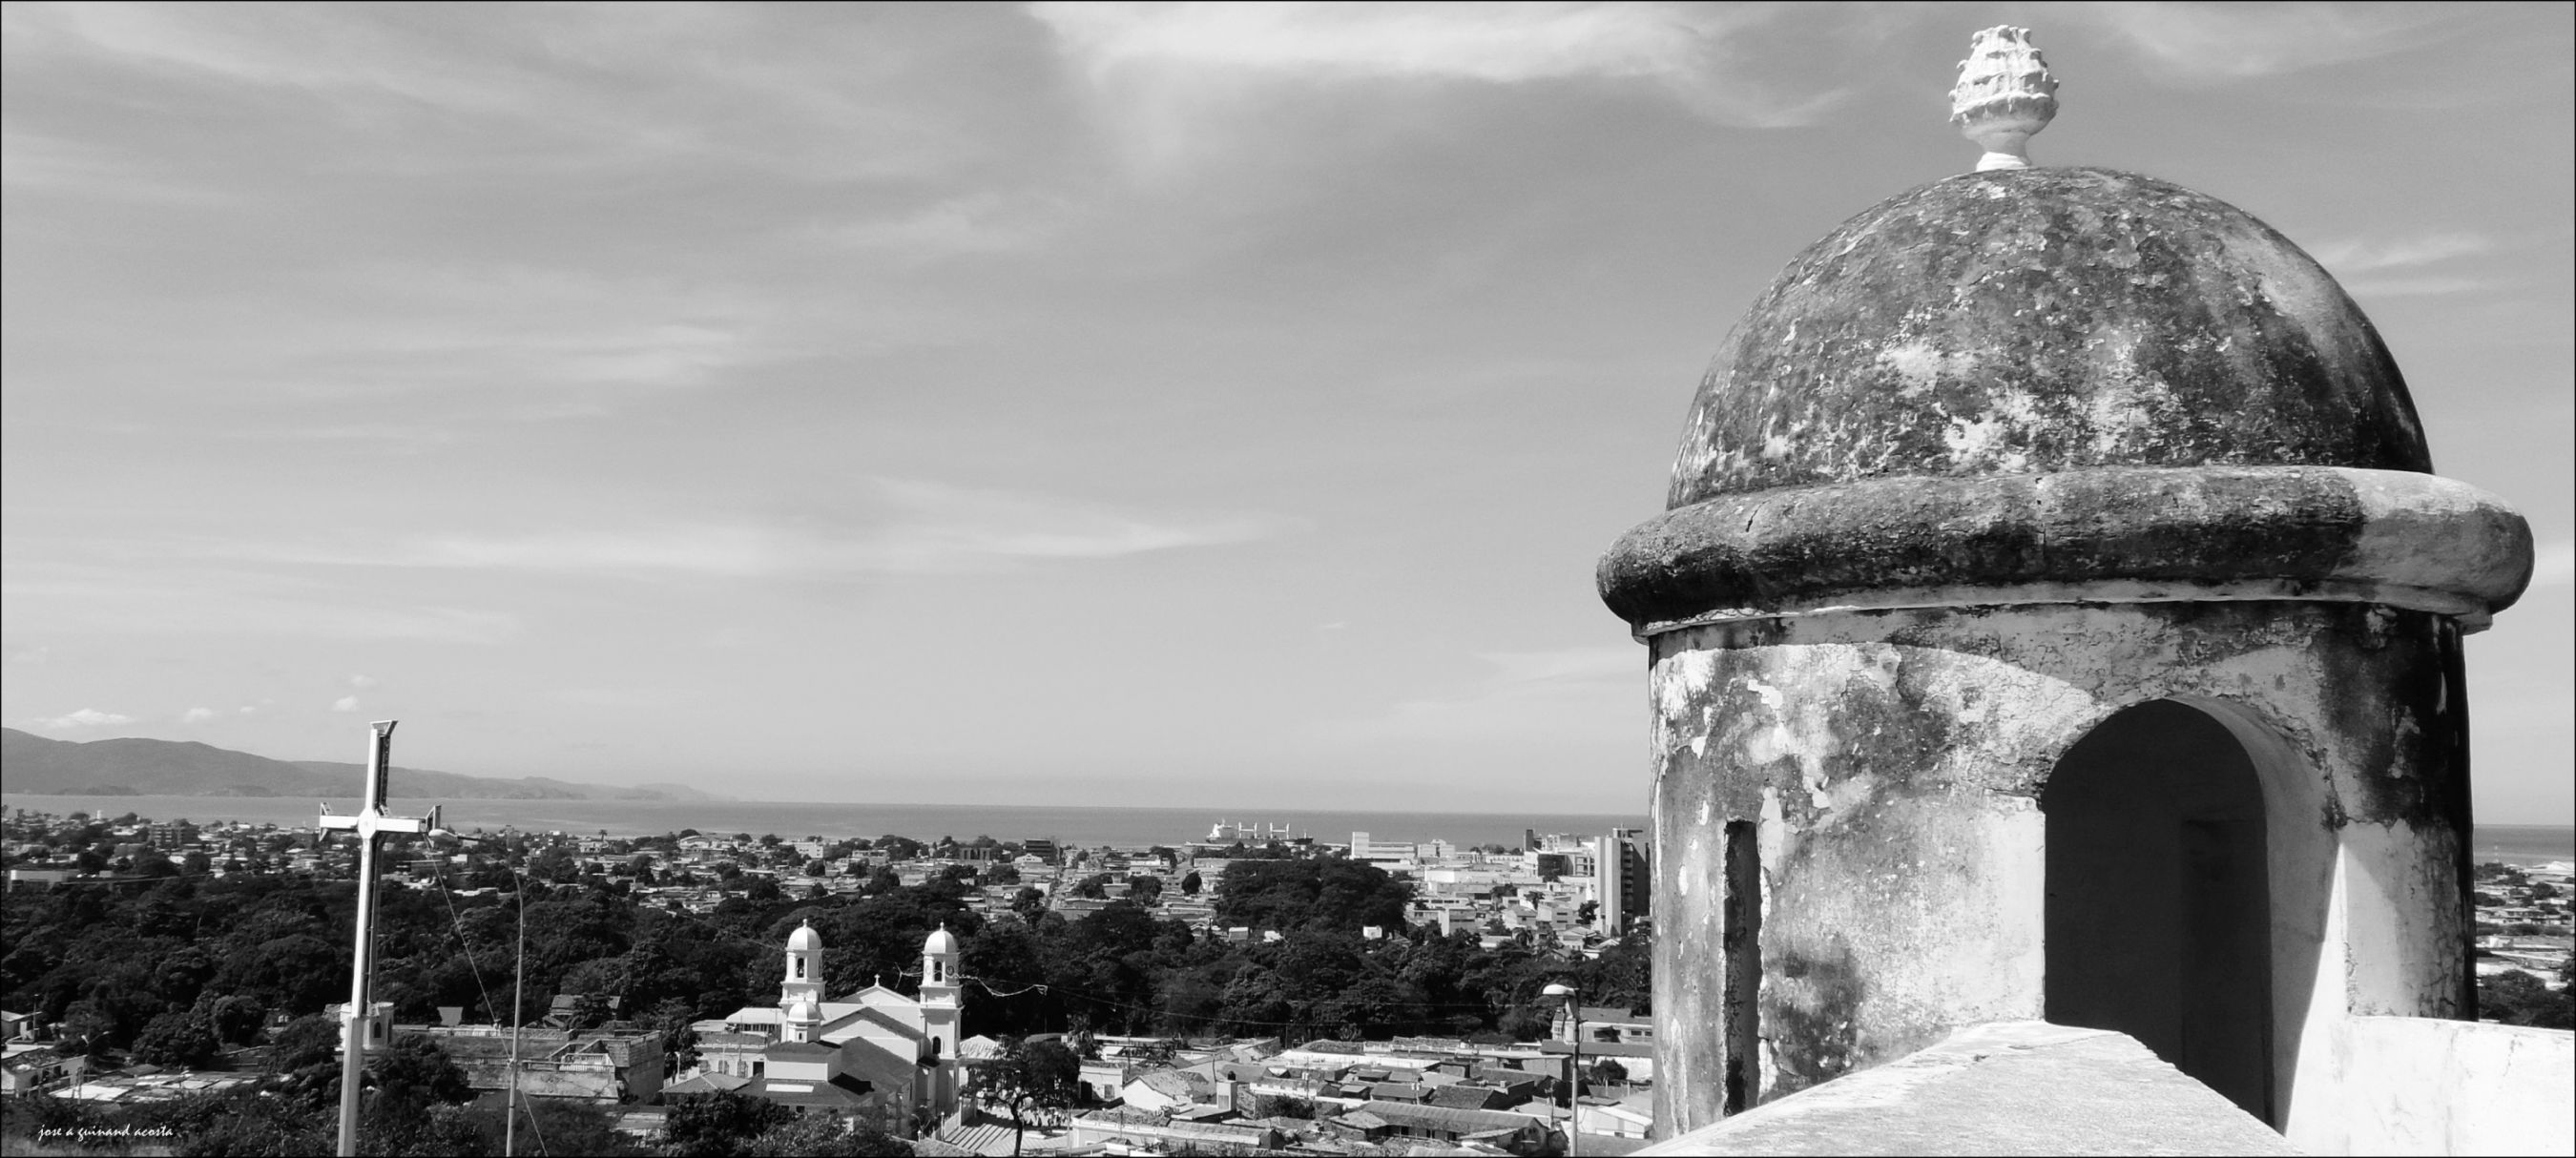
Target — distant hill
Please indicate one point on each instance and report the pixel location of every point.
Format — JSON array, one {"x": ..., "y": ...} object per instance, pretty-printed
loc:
[{"x": 127, "y": 767}]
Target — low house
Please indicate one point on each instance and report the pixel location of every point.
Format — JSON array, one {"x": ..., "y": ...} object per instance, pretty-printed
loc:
[
  {"x": 599, "y": 1066},
  {"x": 1168, "y": 1133},
  {"x": 1106, "y": 1081},
  {"x": 1628, "y": 1117},
  {"x": 31, "y": 1066},
  {"x": 1605, "y": 1023},
  {"x": 1167, "y": 1089},
  {"x": 1376, "y": 1122}
]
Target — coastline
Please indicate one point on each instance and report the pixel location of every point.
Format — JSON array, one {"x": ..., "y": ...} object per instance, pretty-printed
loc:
[
  {"x": 2516, "y": 844},
  {"x": 1083, "y": 825}
]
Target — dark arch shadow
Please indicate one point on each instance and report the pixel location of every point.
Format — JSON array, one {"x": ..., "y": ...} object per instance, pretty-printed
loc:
[{"x": 2159, "y": 896}]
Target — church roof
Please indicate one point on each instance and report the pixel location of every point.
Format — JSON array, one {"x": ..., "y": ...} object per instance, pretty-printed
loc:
[
  {"x": 842, "y": 1092},
  {"x": 872, "y": 1016}
]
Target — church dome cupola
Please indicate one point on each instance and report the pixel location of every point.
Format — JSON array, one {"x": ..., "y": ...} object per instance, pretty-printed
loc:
[{"x": 2020, "y": 378}]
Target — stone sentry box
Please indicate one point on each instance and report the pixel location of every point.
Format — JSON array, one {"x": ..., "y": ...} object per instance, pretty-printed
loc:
[{"x": 2055, "y": 616}]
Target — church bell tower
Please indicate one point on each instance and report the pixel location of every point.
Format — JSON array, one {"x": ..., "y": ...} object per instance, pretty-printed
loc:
[{"x": 939, "y": 1010}]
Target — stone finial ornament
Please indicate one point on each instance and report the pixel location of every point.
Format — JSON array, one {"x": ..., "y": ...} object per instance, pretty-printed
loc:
[{"x": 2004, "y": 95}]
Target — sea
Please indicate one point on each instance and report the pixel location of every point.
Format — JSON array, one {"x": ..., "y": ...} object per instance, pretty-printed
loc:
[
  {"x": 1085, "y": 826},
  {"x": 2517, "y": 844}
]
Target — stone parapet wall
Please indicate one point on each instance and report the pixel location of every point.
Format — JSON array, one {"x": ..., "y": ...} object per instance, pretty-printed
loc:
[
  {"x": 2023, "y": 1087},
  {"x": 2414, "y": 1085}
]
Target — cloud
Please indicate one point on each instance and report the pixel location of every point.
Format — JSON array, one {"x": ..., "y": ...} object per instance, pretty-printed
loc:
[
  {"x": 362, "y": 682},
  {"x": 2242, "y": 41},
  {"x": 183, "y": 596},
  {"x": 345, "y": 704},
  {"x": 2397, "y": 266},
  {"x": 249, "y": 709},
  {"x": 914, "y": 528},
  {"x": 1548, "y": 695},
  {"x": 976, "y": 223},
  {"x": 531, "y": 88},
  {"x": 83, "y": 718},
  {"x": 2352, "y": 255},
  {"x": 2413, "y": 287},
  {"x": 2554, "y": 564},
  {"x": 1173, "y": 78},
  {"x": 31, "y": 655},
  {"x": 196, "y": 715},
  {"x": 34, "y": 163}
]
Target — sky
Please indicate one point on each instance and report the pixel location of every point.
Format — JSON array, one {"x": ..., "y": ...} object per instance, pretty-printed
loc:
[{"x": 1181, "y": 405}]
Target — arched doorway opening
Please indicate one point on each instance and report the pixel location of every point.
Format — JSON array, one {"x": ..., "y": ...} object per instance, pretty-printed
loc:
[{"x": 2159, "y": 896}]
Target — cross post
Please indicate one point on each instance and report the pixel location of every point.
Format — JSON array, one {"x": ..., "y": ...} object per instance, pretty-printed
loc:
[{"x": 370, "y": 823}]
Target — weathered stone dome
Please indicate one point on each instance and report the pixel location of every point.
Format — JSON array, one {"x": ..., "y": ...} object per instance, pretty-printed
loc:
[
  {"x": 2057, "y": 385},
  {"x": 2020, "y": 321}
]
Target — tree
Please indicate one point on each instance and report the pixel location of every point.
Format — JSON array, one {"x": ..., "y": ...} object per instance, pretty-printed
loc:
[
  {"x": 718, "y": 1125},
  {"x": 1279, "y": 1106},
  {"x": 556, "y": 864},
  {"x": 826, "y": 1136},
  {"x": 1190, "y": 883},
  {"x": 412, "y": 1074},
  {"x": 177, "y": 1039},
  {"x": 762, "y": 890},
  {"x": 1095, "y": 886},
  {"x": 2518, "y": 998},
  {"x": 1294, "y": 894},
  {"x": 1145, "y": 890},
  {"x": 1041, "y": 1074}
]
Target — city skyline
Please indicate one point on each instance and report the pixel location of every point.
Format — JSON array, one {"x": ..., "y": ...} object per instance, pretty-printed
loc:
[{"x": 1066, "y": 402}]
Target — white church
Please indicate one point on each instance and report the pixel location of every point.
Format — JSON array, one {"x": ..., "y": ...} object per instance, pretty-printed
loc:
[{"x": 874, "y": 1053}]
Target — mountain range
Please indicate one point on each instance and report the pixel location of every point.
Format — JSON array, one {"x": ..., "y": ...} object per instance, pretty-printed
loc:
[{"x": 140, "y": 767}]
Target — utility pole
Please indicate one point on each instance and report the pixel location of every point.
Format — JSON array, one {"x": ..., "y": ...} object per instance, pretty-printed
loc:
[
  {"x": 510, "y": 1116},
  {"x": 368, "y": 824}
]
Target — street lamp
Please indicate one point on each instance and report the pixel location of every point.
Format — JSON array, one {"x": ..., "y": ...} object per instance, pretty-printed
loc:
[{"x": 1574, "y": 1066}]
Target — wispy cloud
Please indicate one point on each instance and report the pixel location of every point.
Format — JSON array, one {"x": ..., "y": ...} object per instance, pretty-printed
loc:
[
  {"x": 2355, "y": 255},
  {"x": 915, "y": 527},
  {"x": 974, "y": 223},
  {"x": 2406, "y": 266},
  {"x": 345, "y": 704},
  {"x": 181, "y": 596},
  {"x": 2554, "y": 564},
  {"x": 2240, "y": 41},
  {"x": 33, "y": 163},
  {"x": 1550, "y": 694},
  {"x": 82, "y": 718},
  {"x": 196, "y": 715},
  {"x": 1173, "y": 78},
  {"x": 535, "y": 86}
]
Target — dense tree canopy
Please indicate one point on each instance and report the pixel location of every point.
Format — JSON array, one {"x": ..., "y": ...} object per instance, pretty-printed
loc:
[{"x": 1326, "y": 892}]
